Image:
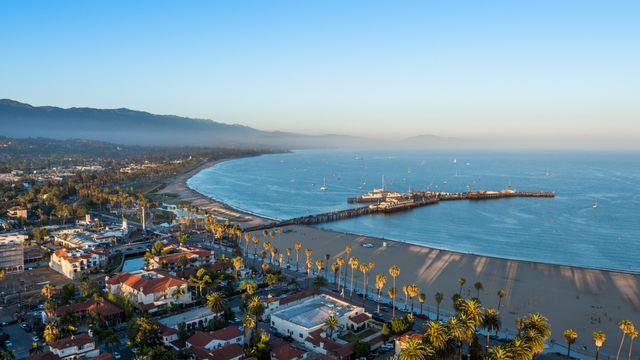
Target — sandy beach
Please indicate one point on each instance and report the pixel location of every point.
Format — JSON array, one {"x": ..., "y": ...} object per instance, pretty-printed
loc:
[{"x": 582, "y": 299}]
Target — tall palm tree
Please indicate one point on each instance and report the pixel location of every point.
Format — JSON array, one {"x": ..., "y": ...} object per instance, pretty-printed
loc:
[
  {"x": 255, "y": 240},
  {"x": 364, "y": 268},
  {"x": 340, "y": 262},
  {"x": 331, "y": 323},
  {"x": 381, "y": 281},
  {"x": 439, "y": 297},
  {"x": 308, "y": 252},
  {"x": 458, "y": 332},
  {"x": 478, "y": 286},
  {"x": 266, "y": 246},
  {"x": 500, "y": 353},
  {"x": 347, "y": 250},
  {"x": 255, "y": 307},
  {"x": 413, "y": 349},
  {"x": 437, "y": 335},
  {"x": 216, "y": 302},
  {"x": 353, "y": 262},
  {"x": 320, "y": 266},
  {"x": 421, "y": 299},
  {"x": 249, "y": 322},
  {"x": 288, "y": 256},
  {"x": 570, "y": 336},
  {"x": 394, "y": 271},
  {"x": 473, "y": 310},
  {"x": 501, "y": 294},
  {"x": 247, "y": 238},
  {"x": 599, "y": 337},
  {"x": 633, "y": 334},
  {"x": 405, "y": 290},
  {"x": 297, "y": 246},
  {"x": 520, "y": 349},
  {"x": 392, "y": 294},
  {"x": 413, "y": 291},
  {"x": 490, "y": 322},
  {"x": 327, "y": 257},
  {"x": 335, "y": 268},
  {"x": 51, "y": 332},
  {"x": 461, "y": 282},
  {"x": 48, "y": 291},
  {"x": 624, "y": 326}
]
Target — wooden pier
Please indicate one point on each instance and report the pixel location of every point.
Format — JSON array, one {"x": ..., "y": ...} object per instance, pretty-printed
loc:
[{"x": 417, "y": 199}]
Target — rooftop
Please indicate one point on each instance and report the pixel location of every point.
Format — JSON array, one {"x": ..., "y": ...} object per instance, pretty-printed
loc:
[
  {"x": 193, "y": 314},
  {"x": 312, "y": 312}
]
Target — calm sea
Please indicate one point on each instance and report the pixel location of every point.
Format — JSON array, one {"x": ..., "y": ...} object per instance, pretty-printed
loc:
[{"x": 563, "y": 230}]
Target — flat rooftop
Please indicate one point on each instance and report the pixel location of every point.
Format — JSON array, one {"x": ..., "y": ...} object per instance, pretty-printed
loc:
[
  {"x": 314, "y": 311},
  {"x": 193, "y": 314}
]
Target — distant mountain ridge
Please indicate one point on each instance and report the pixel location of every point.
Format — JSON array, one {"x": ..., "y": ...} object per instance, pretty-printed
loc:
[{"x": 132, "y": 127}]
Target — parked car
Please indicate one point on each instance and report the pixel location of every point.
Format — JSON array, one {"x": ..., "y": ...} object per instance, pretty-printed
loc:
[
  {"x": 35, "y": 338},
  {"x": 116, "y": 355},
  {"x": 8, "y": 343}
]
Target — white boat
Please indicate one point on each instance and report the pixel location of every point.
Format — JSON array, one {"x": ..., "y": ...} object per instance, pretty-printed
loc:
[
  {"x": 358, "y": 157},
  {"x": 455, "y": 161},
  {"x": 547, "y": 173},
  {"x": 324, "y": 188},
  {"x": 595, "y": 204}
]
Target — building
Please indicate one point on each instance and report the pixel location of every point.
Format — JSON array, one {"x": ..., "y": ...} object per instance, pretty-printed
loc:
[
  {"x": 194, "y": 257},
  {"x": 12, "y": 252},
  {"x": 216, "y": 339},
  {"x": 80, "y": 238},
  {"x": 309, "y": 313},
  {"x": 401, "y": 340},
  {"x": 149, "y": 290},
  {"x": 73, "y": 347},
  {"x": 193, "y": 318},
  {"x": 231, "y": 352},
  {"x": 109, "y": 313},
  {"x": 72, "y": 263}
]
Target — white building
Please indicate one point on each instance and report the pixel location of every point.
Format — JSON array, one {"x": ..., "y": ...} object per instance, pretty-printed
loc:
[
  {"x": 193, "y": 318},
  {"x": 72, "y": 263},
  {"x": 148, "y": 289},
  {"x": 217, "y": 339},
  {"x": 304, "y": 320},
  {"x": 74, "y": 347},
  {"x": 12, "y": 252}
]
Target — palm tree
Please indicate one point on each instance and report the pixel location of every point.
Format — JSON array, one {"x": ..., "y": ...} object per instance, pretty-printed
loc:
[
  {"x": 255, "y": 307},
  {"x": 633, "y": 334},
  {"x": 394, "y": 271},
  {"x": 340, "y": 262},
  {"x": 472, "y": 309},
  {"x": 7, "y": 354},
  {"x": 48, "y": 291},
  {"x": 298, "y": 247},
  {"x": 413, "y": 349},
  {"x": 381, "y": 281},
  {"x": 478, "y": 286},
  {"x": 461, "y": 282},
  {"x": 413, "y": 291},
  {"x": 405, "y": 290},
  {"x": 216, "y": 302},
  {"x": 266, "y": 246},
  {"x": 624, "y": 326},
  {"x": 421, "y": 299},
  {"x": 570, "y": 336},
  {"x": 247, "y": 238},
  {"x": 353, "y": 262},
  {"x": 501, "y": 294},
  {"x": 437, "y": 335},
  {"x": 392, "y": 294},
  {"x": 458, "y": 331},
  {"x": 499, "y": 353},
  {"x": 331, "y": 323},
  {"x": 177, "y": 293},
  {"x": 288, "y": 256},
  {"x": 308, "y": 252},
  {"x": 51, "y": 332},
  {"x": 335, "y": 268},
  {"x": 520, "y": 349},
  {"x": 364, "y": 268},
  {"x": 327, "y": 257},
  {"x": 490, "y": 322},
  {"x": 599, "y": 337},
  {"x": 320, "y": 266},
  {"x": 439, "y": 297},
  {"x": 249, "y": 323},
  {"x": 347, "y": 250}
]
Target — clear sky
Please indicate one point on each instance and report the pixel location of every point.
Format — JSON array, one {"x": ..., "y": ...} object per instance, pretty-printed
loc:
[{"x": 452, "y": 68}]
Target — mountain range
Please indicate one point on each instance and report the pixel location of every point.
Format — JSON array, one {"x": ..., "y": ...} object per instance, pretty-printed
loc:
[{"x": 131, "y": 127}]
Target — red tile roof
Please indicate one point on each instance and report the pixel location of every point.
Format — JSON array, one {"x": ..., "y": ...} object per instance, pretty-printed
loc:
[
  {"x": 201, "y": 338},
  {"x": 287, "y": 352},
  {"x": 104, "y": 308},
  {"x": 44, "y": 356},
  {"x": 224, "y": 353},
  {"x": 103, "y": 356},
  {"x": 146, "y": 285},
  {"x": 78, "y": 340}
]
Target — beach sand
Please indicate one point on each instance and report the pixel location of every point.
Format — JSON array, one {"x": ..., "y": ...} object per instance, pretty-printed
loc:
[{"x": 582, "y": 299}]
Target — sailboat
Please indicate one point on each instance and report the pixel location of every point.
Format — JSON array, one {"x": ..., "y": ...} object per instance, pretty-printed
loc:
[
  {"x": 323, "y": 188},
  {"x": 595, "y": 204}
]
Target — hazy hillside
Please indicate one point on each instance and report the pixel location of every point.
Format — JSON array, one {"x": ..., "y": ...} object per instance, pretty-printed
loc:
[{"x": 125, "y": 126}]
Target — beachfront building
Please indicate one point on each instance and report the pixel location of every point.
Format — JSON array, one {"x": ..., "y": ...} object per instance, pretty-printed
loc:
[
  {"x": 182, "y": 257},
  {"x": 149, "y": 290},
  {"x": 194, "y": 318},
  {"x": 303, "y": 318},
  {"x": 12, "y": 252},
  {"x": 74, "y": 347},
  {"x": 72, "y": 263}
]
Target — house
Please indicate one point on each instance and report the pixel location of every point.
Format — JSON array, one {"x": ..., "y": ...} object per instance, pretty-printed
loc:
[
  {"x": 288, "y": 352},
  {"x": 109, "y": 313},
  {"x": 182, "y": 257},
  {"x": 216, "y": 339},
  {"x": 169, "y": 337},
  {"x": 72, "y": 263},
  {"x": 149, "y": 290},
  {"x": 230, "y": 352},
  {"x": 73, "y": 347}
]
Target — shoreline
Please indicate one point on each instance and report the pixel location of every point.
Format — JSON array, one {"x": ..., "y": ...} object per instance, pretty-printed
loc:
[{"x": 581, "y": 298}]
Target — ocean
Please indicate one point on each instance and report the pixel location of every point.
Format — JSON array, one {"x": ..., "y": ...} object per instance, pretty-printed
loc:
[{"x": 567, "y": 229}]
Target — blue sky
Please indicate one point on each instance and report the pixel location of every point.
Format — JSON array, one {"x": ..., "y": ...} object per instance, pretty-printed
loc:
[{"x": 527, "y": 69}]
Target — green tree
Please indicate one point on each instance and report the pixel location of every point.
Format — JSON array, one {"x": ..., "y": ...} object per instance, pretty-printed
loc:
[
  {"x": 413, "y": 349},
  {"x": 331, "y": 323},
  {"x": 599, "y": 337},
  {"x": 570, "y": 336},
  {"x": 216, "y": 302},
  {"x": 144, "y": 333}
]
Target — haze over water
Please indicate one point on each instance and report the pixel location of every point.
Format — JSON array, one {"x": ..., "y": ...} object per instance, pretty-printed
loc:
[{"x": 562, "y": 230}]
